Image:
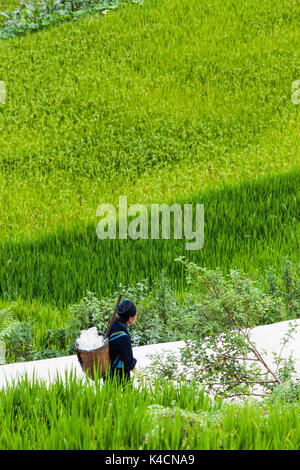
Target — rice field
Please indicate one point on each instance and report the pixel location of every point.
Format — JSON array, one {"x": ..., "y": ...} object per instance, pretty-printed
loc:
[
  {"x": 173, "y": 101},
  {"x": 249, "y": 226},
  {"x": 84, "y": 416}
]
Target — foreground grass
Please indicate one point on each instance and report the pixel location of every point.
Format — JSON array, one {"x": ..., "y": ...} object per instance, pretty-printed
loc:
[{"x": 85, "y": 416}]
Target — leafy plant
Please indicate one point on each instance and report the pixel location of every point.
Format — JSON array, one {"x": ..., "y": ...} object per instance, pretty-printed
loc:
[
  {"x": 6, "y": 324},
  {"x": 21, "y": 344},
  {"x": 73, "y": 414},
  {"x": 33, "y": 15},
  {"x": 220, "y": 353},
  {"x": 286, "y": 392},
  {"x": 286, "y": 284}
]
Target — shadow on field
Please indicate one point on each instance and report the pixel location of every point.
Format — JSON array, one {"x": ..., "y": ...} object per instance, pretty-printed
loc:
[{"x": 250, "y": 226}]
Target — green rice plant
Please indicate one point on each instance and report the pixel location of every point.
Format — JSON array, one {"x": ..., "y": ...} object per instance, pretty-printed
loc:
[
  {"x": 34, "y": 15},
  {"x": 245, "y": 227},
  {"x": 6, "y": 322},
  {"x": 74, "y": 414},
  {"x": 164, "y": 314},
  {"x": 8, "y": 5}
]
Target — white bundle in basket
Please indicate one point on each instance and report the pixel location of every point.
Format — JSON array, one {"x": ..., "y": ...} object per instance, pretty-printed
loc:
[{"x": 89, "y": 339}]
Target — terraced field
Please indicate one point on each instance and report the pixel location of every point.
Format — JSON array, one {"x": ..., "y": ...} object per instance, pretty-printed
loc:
[{"x": 169, "y": 101}]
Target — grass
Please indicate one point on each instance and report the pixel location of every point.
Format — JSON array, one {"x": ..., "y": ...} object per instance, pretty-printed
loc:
[{"x": 77, "y": 415}]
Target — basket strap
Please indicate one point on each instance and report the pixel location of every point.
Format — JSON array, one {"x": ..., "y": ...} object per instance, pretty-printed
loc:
[{"x": 116, "y": 335}]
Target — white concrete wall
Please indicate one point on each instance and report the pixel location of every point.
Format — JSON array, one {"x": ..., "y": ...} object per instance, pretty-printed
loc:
[{"x": 266, "y": 337}]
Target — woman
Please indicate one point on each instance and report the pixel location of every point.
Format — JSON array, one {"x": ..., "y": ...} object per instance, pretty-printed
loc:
[{"x": 120, "y": 350}]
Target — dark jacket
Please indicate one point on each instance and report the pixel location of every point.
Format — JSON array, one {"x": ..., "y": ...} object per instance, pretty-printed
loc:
[{"x": 120, "y": 349}]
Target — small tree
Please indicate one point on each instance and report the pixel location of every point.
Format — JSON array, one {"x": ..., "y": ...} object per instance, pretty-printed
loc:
[{"x": 222, "y": 355}]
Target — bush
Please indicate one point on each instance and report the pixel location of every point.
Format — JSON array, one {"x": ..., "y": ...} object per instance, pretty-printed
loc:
[
  {"x": 220, "y": 353},
  {"x": 32, "y": 15},
  {"x": 6, "y": 322},
  {"x": 285, "y": 285},
  {"x": 203, "y": 311},
  {"x": 20, "y": 342},
  {"x": 288, "y": 392}
]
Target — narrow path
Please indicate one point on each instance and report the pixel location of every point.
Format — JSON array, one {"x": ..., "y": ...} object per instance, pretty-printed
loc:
[{"x": 266, "y": 337}]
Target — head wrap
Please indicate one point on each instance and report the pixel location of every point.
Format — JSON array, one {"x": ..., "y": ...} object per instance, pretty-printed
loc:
[{"x": 126, "y": 309}]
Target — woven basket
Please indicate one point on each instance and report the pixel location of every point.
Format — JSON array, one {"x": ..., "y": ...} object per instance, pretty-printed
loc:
[{"x": 95, "y": 360}]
